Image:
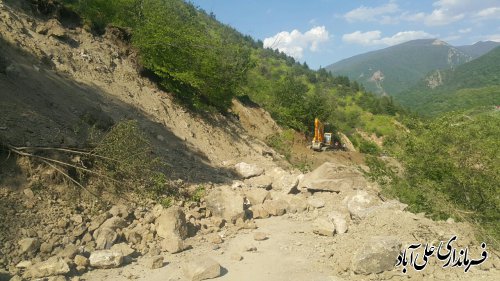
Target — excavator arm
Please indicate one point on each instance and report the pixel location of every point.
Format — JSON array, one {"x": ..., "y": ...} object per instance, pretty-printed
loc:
[{"x": 318, "y": 139}]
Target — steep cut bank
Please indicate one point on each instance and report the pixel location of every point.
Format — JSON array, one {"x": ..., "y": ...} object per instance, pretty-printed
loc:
[{"x": 58, "y": 82}]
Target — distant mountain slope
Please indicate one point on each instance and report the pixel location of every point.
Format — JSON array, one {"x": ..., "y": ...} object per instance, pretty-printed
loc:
[
  {"x": 393, "y": 70},
  {"x": 476, "y": 83},
  {"x": 478, "y": 49}
]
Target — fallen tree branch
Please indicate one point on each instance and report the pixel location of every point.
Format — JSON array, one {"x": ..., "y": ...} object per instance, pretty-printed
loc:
[
  {"x": 81, "y": 152},
  {"x": 13, "y": 149},
  {"x": 70, "y": 178}
]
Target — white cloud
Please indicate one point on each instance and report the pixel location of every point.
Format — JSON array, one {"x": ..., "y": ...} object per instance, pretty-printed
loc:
[
  {"x": 465, "y": 30},
  {"x": 372, "y": 13},
  {"x": 375, "y": 37},
  {"x": 443, "y": 12},
  {"x": 294, "y": 43},
  {"x": 449, "y": 11},
  {"x": 442, "y": 17},
  {"x": 490, "y": 13},
  {"x": 362, "y": 38}
]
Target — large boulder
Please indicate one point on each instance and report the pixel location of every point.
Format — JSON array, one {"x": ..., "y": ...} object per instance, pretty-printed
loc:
[
  {"x": 225, "y": 203},
  {"x": 246, "y": 170},
  {"x": 97, "y": 221},
  {"x": 339, "y": 220},
  {"x": 257, "y": 196},
  {"x": 259, "y": 212},
  {"x": 171, "y": 224},
  {"x": 379, "y": 207},
  {"x": 276, "y": 207},
  {"x": 360, "y": 204},
  {"x": 124, "y": 249},
  {"x": 262, "y": 181},
  {"x": 173, "y": 245},
  {"x": 316, "y": 202},
  {"x": 114, "y": 223},
  {"x": 296, "y": 204},
  {"x": 120, "y": 211},
  {"x": 334, "y": 178},
  {"x": 324, "y": 227},
  {"x": 28, "y": 245},
  {"x": 154, "y": 262},
  {"x": 283, "y": 180},
  {"x": 50, "y": 267},
  {"x": 105, "y": 237},
  {"x": 106, "y": 259},
  {"x": 69, "y": 251},
  {"x": 202, "y": 268},
  {"x": 133, "y": 235},
  {"x": 377, "y": 255}
]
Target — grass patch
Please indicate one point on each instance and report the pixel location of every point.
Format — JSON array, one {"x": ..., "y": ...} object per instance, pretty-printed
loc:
[{"x": 282, "y": 142}]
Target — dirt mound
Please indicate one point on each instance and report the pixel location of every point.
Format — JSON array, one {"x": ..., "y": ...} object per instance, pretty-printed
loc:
[{"x": 257, "y": 122}]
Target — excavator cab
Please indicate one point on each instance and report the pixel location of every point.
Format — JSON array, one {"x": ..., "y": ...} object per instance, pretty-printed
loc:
[{"x": 328, "y": 139}]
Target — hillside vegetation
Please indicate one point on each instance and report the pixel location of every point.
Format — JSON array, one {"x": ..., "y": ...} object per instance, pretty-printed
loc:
[
  {"x": 473, "y": 84},
  {"x": 479, "y": 48},
  {"x": 206, "y": 64},
  {"x": 194, "y": 56},
  {"x": 452, "y": 168}
]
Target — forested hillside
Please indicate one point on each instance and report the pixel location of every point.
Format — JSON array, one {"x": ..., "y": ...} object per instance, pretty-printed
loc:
[
  {"x": 479, "y": 48},
  {"x": 191, "y": 54},
  {"x": 394, "y": 69},
  {"x": 475, "y": 83},
  {"x": 206, "y": 64}
]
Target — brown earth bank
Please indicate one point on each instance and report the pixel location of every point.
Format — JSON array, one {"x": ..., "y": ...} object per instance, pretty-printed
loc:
[{"x": 258, "y": 218}]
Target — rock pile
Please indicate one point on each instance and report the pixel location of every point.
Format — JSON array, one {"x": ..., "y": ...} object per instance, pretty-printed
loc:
[{"x": 80, "y": 241}]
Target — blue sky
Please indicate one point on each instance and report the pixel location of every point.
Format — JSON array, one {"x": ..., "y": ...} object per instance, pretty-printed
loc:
[{"x": 321, "y": 32}]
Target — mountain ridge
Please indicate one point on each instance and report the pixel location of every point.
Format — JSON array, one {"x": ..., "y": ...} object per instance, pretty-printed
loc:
[
  {"x": 479, "y": 48},
  {"x": 469, "y": 85},
  {"x": 400, "y": 66}
]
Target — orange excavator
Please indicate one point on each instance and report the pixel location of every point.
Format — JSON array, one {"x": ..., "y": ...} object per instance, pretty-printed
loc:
[{"x": 321, "y": 140}]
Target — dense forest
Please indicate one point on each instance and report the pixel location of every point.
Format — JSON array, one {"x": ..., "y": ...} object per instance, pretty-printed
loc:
[
  {"x": 450, "y": 163},
  {"x": 472, "y": 84}
]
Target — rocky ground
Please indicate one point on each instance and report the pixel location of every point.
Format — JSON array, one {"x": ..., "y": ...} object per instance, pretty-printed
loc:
[
  {"x": 258, "y": 220},
  {"x": 329, "y": 224}
]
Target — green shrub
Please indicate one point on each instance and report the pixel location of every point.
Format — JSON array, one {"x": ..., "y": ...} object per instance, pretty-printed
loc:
[
  {"x": 452, "y": 169},
  {"x": 368, "y": 147},
  {"x": 125, "y": 159},
  {"x": 198, "y": 194},
  {"x": 200, "y": 60},
  {"x": 364, "y": 146},
  {"x": 282, "y": 142}
]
